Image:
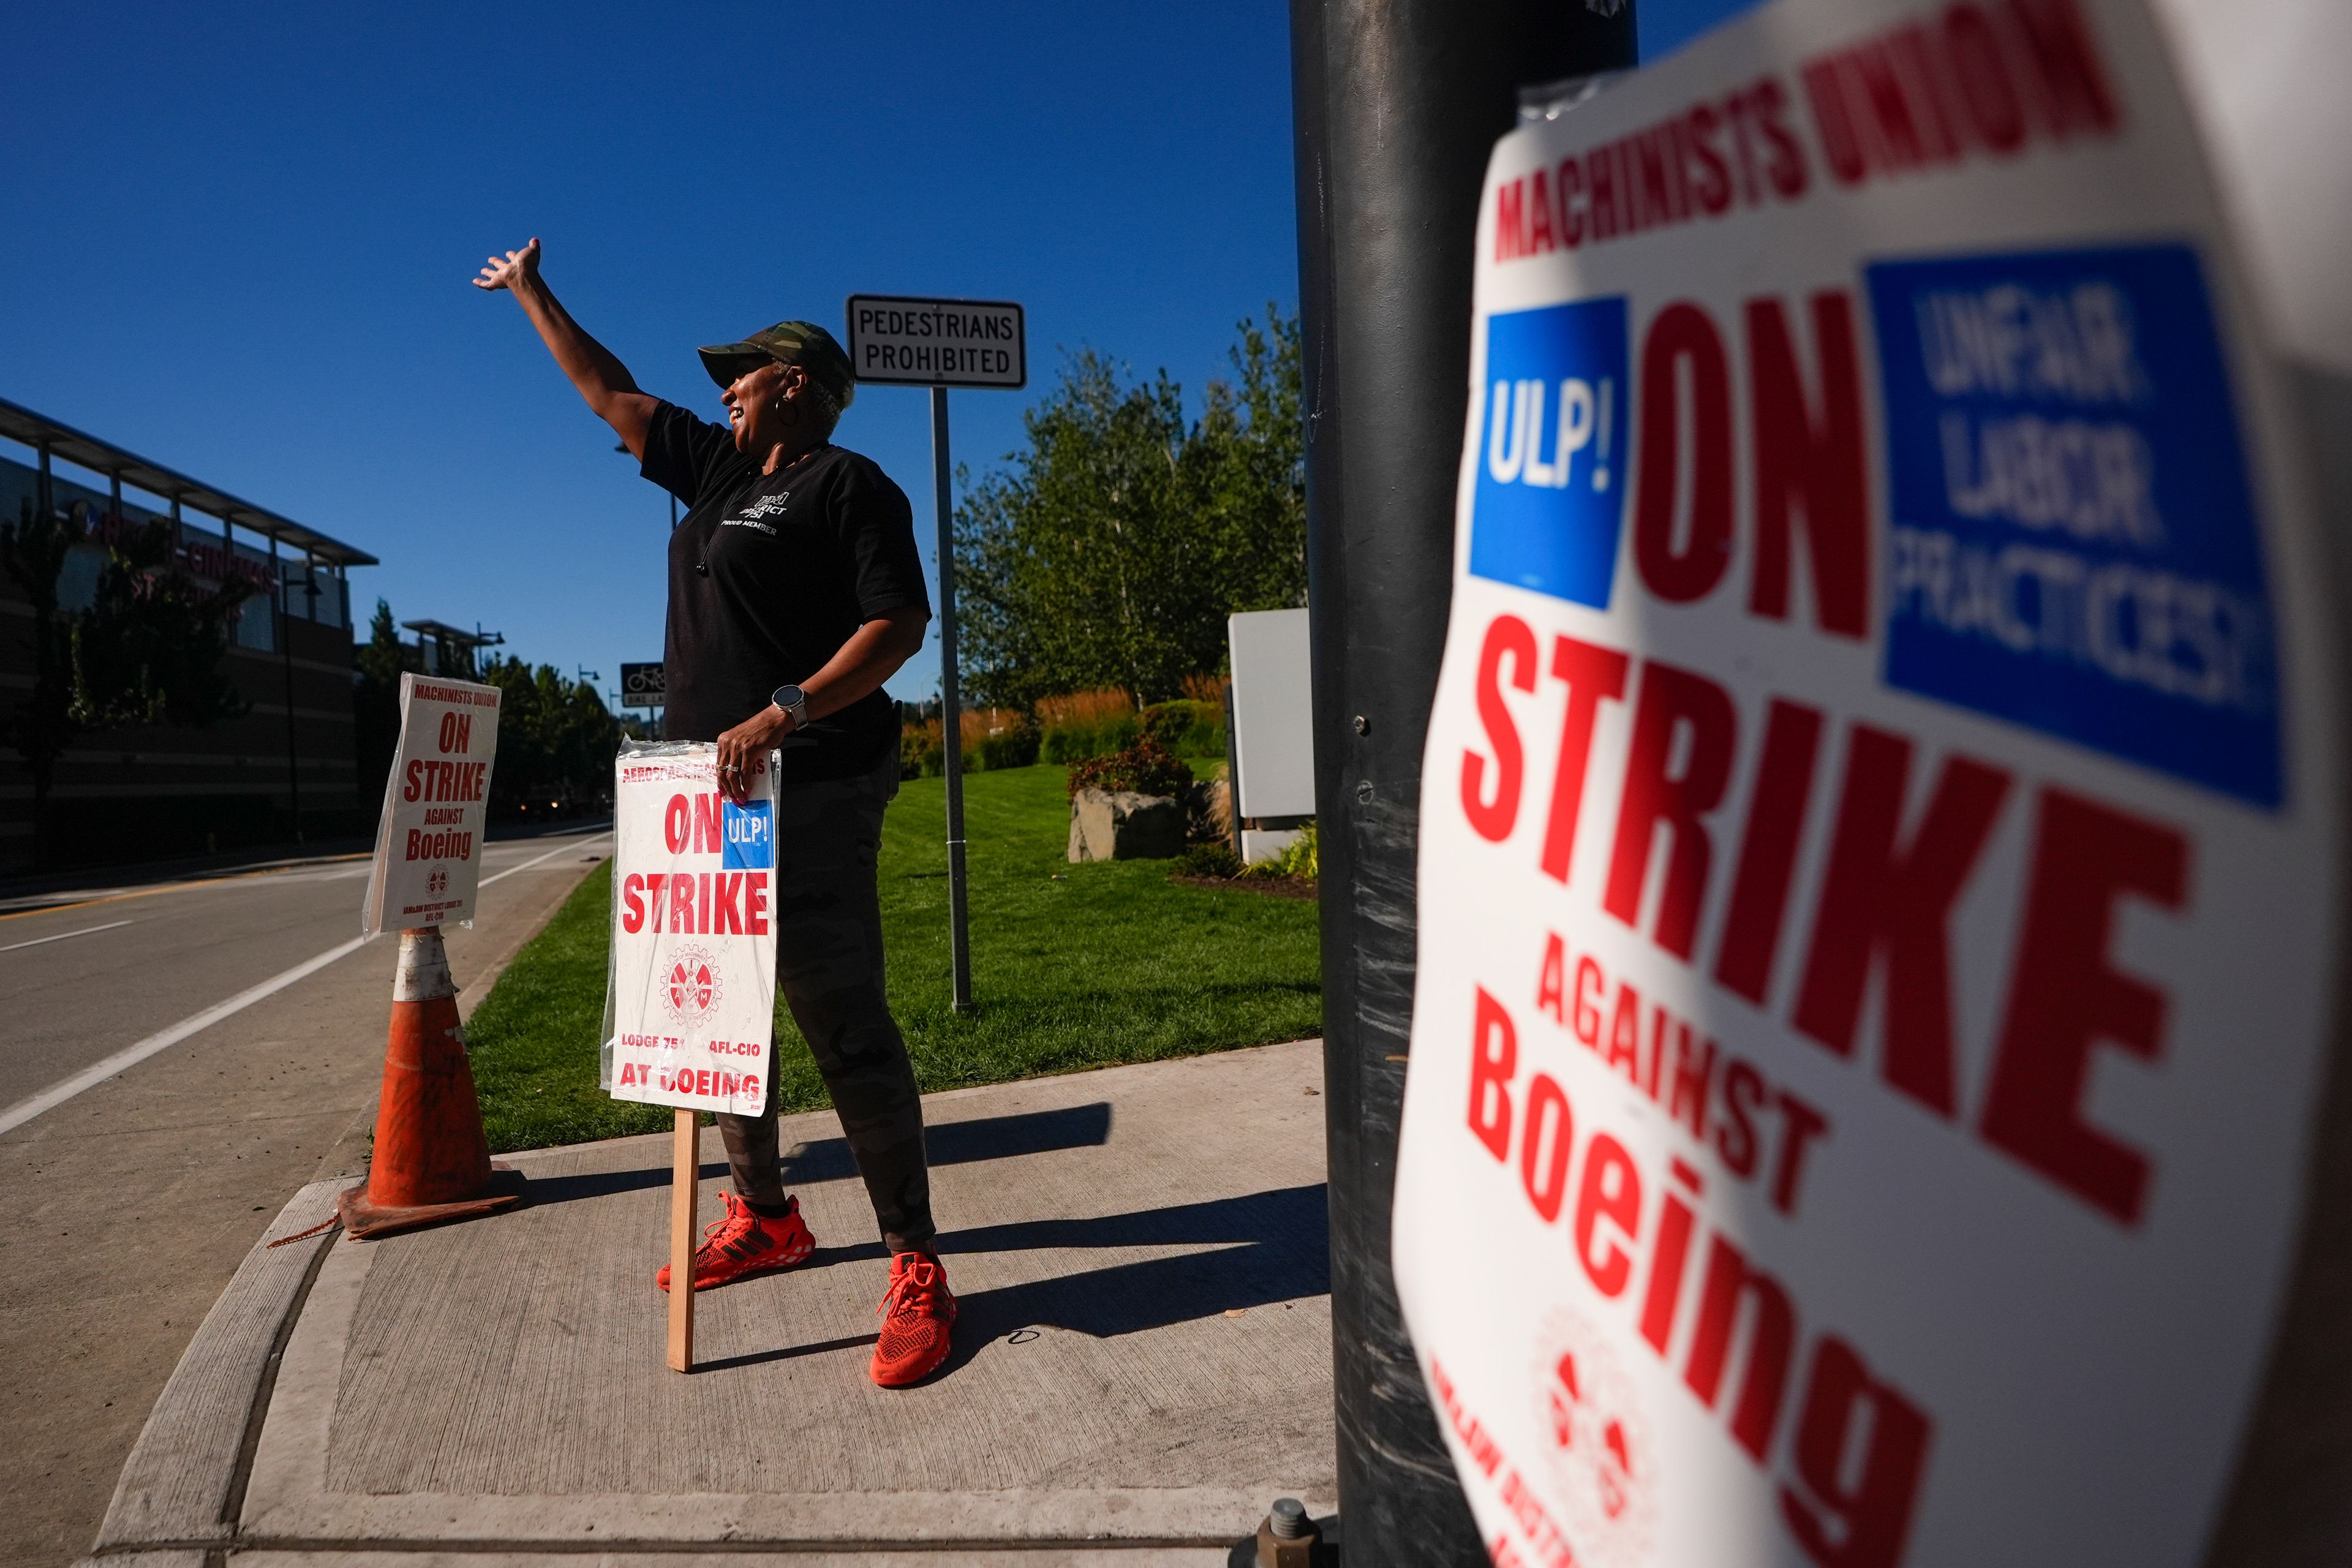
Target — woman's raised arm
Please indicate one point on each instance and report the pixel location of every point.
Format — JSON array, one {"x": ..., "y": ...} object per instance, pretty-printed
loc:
[{"x": 601, "y": 378}]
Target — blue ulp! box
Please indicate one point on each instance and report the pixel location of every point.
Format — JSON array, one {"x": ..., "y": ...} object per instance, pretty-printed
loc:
[
  {"x": 748, "y": 834},
  {"x": 1550, "y": 500}
]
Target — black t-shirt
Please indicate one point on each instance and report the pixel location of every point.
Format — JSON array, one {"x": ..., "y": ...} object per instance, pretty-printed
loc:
[{"x": 769, "y": 575}]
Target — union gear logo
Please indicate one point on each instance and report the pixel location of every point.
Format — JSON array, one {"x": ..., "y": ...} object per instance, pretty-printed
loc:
[
  {"x": 690, "y": 984},
  {"x": 1602, "y": 1463}
]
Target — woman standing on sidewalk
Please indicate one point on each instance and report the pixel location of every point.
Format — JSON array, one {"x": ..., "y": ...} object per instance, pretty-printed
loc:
[{"x": 796, "y": 591}]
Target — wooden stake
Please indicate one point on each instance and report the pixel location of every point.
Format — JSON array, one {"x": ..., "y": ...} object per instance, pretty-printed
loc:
[{"x": 684, "y": 1186}]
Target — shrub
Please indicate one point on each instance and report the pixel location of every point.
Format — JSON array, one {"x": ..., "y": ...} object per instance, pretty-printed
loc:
[
  {"x": 1076, "y": 745},
  {"x": 1305, "y": 856},
  {"x": 1187, "y": 727},
  {"x": 922, "y": 751},
  {"x": 1144, "y": 767},
  {"x": 1208, "y": 860},
  {"x": 998, "y": 738},
  {"x": 993, "y": 737},
  {"x": 1082, "y": 724},
  {"x": 1302, "y": 859}
]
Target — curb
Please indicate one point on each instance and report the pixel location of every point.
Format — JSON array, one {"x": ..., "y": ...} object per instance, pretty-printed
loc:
[{"x": 184, "y": 1480}]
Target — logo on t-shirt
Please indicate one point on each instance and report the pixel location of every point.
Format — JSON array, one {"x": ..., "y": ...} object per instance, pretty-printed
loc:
[{"x": 766, "y": 506}]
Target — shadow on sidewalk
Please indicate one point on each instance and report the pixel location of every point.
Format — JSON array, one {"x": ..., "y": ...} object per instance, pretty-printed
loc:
[
  {"x": 968, "y": 1142},
  {"x": 828, "y": 1160},
  {"x": 545, "y": 1190},
  {"x": 1283, "y": 1254}
]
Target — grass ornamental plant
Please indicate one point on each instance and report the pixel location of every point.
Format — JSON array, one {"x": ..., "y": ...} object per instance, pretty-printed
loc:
[
  {"x": 1301, "y": 861},
  {"x": 997, "y": 738},
  {"x": 1082, "y": 724},
  {"x": 1210, "y": 689},
  {"x": 993, "y": 738}
]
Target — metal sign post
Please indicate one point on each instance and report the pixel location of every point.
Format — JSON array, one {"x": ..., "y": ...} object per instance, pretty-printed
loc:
[
  {"x": 941, "y": 343},
  {"x": 951, "y": 706}
]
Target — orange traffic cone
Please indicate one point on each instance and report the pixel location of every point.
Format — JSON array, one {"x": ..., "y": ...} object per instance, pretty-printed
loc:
[{"x": 431, "y": 1162}]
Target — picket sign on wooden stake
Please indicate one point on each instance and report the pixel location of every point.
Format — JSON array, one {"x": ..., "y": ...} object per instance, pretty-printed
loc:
[{"x": 689, "y": 1008}]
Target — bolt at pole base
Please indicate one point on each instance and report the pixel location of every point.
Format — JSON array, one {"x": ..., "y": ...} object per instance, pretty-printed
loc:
[{"x": 1287, "y": 1538}]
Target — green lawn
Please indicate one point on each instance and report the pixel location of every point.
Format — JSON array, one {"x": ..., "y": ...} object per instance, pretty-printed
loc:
[{"x": 1073, "y": 967}]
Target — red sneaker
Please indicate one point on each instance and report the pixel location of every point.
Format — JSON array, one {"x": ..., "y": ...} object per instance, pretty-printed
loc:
[
  {"x": 916, "y": 1318},
  {"x": 744, "y": 1244}
]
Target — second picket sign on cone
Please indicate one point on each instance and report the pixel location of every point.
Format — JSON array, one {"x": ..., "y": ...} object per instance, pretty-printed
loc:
[{"x": 431, "y": 1161}]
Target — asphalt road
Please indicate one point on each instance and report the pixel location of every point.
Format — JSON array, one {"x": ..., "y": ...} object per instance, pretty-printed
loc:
[{"x": 146, "y": 1137}]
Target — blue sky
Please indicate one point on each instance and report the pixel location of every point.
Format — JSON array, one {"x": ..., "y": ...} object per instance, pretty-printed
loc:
[{"x": 240, "y": 239}]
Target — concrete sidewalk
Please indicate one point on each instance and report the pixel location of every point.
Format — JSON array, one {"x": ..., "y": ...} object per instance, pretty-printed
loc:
[
  {"x": 129, "y": 1207},
  {"x": 1142, "y": 1363}
]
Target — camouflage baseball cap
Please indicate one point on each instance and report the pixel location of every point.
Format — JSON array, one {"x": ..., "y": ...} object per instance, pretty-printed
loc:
[{"x": 803, "y": 344}]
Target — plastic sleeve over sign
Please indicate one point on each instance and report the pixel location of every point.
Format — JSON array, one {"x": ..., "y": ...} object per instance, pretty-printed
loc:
[
  {"x": 689, "y": 1004},
  {"x": 1877, "y": 878}
]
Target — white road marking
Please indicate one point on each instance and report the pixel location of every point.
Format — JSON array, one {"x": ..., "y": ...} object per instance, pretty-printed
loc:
[
  {"x": 131, "y": 1056},
  {"x": 86, "y": 931},
  {"x": 536, "y": 860}
]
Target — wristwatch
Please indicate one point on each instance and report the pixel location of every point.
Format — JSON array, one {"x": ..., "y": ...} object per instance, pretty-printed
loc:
[{"x": 795, "y": 701}]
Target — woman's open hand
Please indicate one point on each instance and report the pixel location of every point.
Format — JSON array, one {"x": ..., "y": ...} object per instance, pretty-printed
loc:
[{"x": 517, "y": 265}]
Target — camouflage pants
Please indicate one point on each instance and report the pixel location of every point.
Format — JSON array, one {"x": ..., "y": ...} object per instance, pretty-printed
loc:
[{"x": 829, "y": 967}]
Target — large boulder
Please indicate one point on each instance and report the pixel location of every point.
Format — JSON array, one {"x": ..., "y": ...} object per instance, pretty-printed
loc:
[{"x": 1120, "y": 824}]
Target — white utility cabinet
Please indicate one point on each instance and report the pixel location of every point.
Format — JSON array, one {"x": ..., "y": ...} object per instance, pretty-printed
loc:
[{"x": 1273, "y": 725}]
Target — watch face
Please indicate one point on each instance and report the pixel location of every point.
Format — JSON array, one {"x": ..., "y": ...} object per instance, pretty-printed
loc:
[{"x": 788, "y": 698}]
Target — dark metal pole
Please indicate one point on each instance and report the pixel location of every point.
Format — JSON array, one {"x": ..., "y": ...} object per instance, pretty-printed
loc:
[
  {"x": 1397, "y": 103},
  {"x": 951, "y": 713}
]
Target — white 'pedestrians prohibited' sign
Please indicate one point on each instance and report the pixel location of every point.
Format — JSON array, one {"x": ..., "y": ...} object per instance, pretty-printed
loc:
[
  {"x": 428, "y": 842},
  {"x": 1878, "y": 862},
  {"x": 938, "y": 342},
  {"x": 690, "y": 1011}
]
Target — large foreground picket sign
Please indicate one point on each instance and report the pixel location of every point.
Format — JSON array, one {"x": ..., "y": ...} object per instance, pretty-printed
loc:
[
  {"x": 1879, "y": 849},
  {"x": 689, "y": 1012}
]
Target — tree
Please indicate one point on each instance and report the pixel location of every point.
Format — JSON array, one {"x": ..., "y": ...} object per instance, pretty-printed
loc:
[
  {"x": 1253, "y": 441},
  {"x": 556, "y": 737},
  {"x": 375, "y": 704},
  {"x": 1113, "y": 550}
]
